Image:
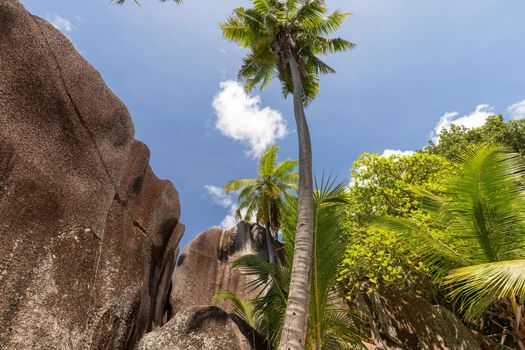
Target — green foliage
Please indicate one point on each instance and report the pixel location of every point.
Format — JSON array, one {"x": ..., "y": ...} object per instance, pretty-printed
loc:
[
  {"x": 274, "y": 31},
  {"x": 330, "y": 325},
  {"x": 262, "y": 197},
  {"x": 478, "y": 286},
  {"x": 482, "y": 216},
  {"x": 496, "y": 130},
  {"x": 382, "y": 186}
]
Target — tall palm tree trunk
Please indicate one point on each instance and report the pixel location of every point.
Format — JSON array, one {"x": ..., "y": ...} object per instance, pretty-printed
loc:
[{"x": 296, "y": 317}]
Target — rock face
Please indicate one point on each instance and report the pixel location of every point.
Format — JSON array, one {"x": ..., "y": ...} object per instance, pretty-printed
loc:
[
  {"x": 204, "y": 267},
  {"x": 398, "y": 321},
  {"x": 88, "y": 234},
  {"x": 197, "y": 328}
]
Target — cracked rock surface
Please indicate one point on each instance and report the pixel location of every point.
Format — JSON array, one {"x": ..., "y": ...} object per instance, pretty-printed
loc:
[{"x": 88, "y": 234}]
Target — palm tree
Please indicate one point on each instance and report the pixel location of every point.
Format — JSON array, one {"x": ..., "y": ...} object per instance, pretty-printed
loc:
[
  {"x": 285, "y": 38},
  {"x": 330, "y": 325},
  {"x": 262, "y": 197},
  {"x": 482, "y": 215}
]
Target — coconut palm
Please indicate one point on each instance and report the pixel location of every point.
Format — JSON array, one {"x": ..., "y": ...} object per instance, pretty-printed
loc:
[
  {"x": 261, "y": 197},
  {"x": 329, "y": 323},
  {"x": 285, "y": 38},
  {"x": 482, "y": 215}
]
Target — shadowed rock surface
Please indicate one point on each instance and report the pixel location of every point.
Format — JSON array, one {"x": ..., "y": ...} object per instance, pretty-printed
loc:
[
  {"x": 204, "y": 267},
  {"x": 197, "y": 328},
  {"x": 398, "y": 321},
  {"x": 88, "y": 234}
]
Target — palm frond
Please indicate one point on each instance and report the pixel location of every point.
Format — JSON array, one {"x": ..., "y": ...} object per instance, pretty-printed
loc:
[
  {"x": 487, "y": 206},
  {"x": 242, "y": 308},
  {"x": 330, "y": 24},
  {"x": 328, "y": 252},
  {"x": 478, "y": 286},
  {"x": 236, "y": 185},
  {"x": 267, "y": 161},
  {"x": 264, "y": 274},
  {"x": 340, "y": 332},
  {"x": 325, "y": 46},
  {"x": 285, "y": 167}
]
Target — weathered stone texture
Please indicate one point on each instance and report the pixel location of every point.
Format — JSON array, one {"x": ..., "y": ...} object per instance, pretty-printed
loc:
[
  {"x": 398, "y": 321},
  {"x": 197, "y": 328},
  {"x": 88, "y": 234},
  {"x": 197, "y": 321},
  {"x": 204, "y": 266}
]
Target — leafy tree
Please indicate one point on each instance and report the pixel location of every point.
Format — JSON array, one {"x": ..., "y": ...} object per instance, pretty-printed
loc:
[
  {"x": 482, "y": 215},
  {"x": 330, "y": 325},
  {"x": 285, "y": 39},
  {"x": 261, "y": 197},
  {"x": 454, "y": 140},
  {"x": 382, "y": 186}
]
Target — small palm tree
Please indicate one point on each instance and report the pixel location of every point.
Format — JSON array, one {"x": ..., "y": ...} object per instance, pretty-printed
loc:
[
  {"x": 482, "y": 215},
  {"x": 285, "y": 38},
  {"x": 261, "y": 197},
  {"x": 329, "y": 325}
]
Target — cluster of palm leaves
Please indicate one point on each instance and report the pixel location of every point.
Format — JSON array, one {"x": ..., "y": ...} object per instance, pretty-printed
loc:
[
  {"x": 482, "y": 216},
  {"x": 260, "y": 198},
  {"x": 330, "y": 324},
  {"x": 273, "y": 30}
]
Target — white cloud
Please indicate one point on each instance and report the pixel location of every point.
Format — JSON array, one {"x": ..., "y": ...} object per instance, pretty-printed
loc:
[
  {"x": 472, "y": 120},
  {"x": 241, "y": 117},
  {"x": 387, "y": 153},
  {"x": 229, "y": 220},
  {"x": 60, "y": 23},
  {"x": 225, "y": 200},
  {"x": 517, "y": 110},
  {"x": 219, "y": 196}
]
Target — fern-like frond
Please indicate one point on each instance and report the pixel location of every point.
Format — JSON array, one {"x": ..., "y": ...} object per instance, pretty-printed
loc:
[
  {"x": 236, "y": 185},
  {"x": 243, "y": 308},
  {"x": 267, "y": 161},
  {"x": 476, "y": 287}
]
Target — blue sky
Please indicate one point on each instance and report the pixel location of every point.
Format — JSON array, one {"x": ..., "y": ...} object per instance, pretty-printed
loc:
[{"x": 417, "y": 64}]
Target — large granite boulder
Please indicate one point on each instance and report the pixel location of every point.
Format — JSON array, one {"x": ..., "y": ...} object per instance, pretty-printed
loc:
[
  {"x": 204, "y": 267},
  {"x": 88, "y": 234},
  {"x": 197, "y": 320},
  {"x": 197, "y": 328},
  {"x": 399, "y": 321}
]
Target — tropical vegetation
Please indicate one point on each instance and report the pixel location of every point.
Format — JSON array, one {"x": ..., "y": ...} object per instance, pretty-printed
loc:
[
  {"x": 285, "y": 39},
  {"x": 261, "y": 198},
  {"x": 382, "y": 186},
  {"x": 456, "y": 138},
  {"x": 330, "y": 324},
  {"x": 446, "y": 223},
  {"x": 482, "y": 216}
]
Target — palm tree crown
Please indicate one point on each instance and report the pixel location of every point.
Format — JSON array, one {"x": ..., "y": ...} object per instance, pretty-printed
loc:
[
  {"x": 261, "y": 197},
  {"x": 275, "y": 30}
]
